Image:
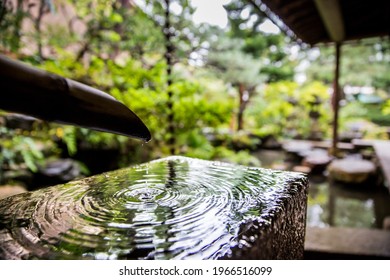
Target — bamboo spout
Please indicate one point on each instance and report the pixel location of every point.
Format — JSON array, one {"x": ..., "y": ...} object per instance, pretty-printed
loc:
[{"x": 50, "y": 97}]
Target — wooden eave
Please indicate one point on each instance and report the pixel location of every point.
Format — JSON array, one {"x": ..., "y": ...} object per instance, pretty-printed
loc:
[{"x": 361, "y": 19}]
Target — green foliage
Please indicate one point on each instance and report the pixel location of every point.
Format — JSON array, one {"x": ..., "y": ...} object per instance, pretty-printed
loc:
[
  {"x": 121, "y": 49},
  {"x": 11, "y": 17},
  {"x": 68, "y": 134},
  {"x": 360, "y": 117},
  {"x": 235, "y": 66},
  {"x": 195, "y": 105},
  {"x": 17, "y": 148},
  {"x": 352, "y": 110},
  {"x": 241, "y": 157},
  {"x": 246, "y": 57},
  {"x": 272, "y": 50},
  {"x": 377, "y": 114},
  {"x": 386, "y": 108},
  {"x": 365, "y": 64},
  {"x": 285, "y": 107}
]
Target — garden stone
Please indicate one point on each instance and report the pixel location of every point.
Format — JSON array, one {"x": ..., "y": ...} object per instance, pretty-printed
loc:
[
  {"x": 351, "y": 170},
  {"x": 57, "y": 171},
  {"x": 317, "y": 160},
  {"x": 386, "y": 223},
  {"x": 18, "y": 175},
  {"x": 10, "y": 190},
  {"x": 297, "y": 149},
  {"x": 270, "y": 142},
  {"x": 302, "y": 168},
  {"x": 18, "y": 121}
]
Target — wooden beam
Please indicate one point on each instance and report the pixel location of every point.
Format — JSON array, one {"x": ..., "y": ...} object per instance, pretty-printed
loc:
[
  {"x": 332, "y": 18},
  {"x": 336, "y": 100}
]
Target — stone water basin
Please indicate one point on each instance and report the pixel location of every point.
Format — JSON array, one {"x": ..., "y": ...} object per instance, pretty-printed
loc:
[{"x": 172, "y": 208}]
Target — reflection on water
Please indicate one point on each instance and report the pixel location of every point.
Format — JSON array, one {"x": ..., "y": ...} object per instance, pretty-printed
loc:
[
  {"x": 172, "y": 208},
  {"x": 334, "y": 204}
]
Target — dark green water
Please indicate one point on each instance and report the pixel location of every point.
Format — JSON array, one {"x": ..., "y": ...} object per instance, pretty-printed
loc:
[{"x": 176, "y": 208}]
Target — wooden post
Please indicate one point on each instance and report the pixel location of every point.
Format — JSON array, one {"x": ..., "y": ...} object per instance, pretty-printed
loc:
[
  {"x": 336, "y": 100},
  {"x": 169, "y": 49}
]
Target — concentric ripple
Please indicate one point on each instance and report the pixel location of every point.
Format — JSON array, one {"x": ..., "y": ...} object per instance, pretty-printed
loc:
[{"x": 166, "y": 209}]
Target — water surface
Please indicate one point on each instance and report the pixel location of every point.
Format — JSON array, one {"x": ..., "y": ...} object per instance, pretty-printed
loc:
[{"x": 175, "y": 208}]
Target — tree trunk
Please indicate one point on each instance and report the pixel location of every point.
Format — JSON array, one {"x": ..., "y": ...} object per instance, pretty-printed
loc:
[
  {"x": 242, "y": 105},
  {"x": 17, "y": 26},
  {"x": 245, "y": 93},
  {"x": 38, "y": 30}
]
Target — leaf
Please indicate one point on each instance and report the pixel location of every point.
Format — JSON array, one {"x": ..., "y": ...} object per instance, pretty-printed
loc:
[
  {"x": 111, "y": 35},
  {"x": 116, "y": 18}
]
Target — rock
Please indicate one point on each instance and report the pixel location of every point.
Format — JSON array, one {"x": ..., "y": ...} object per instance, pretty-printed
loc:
[
  {"x": 348, "y": 136},
  {"x": 9, "y": 190},
  {"x": 20, "y": 175},
  {"x": 351, "y": 170},
  {"x": 336, "y": 243},
  {"x": 298, "y": 149},
  {"x": 279, "y": 166},
  {"x": 368, "y": 154},
  {"x": 316, "y": 136},
  {"x": 19, "y": 121},
  {"x": 386, "y": 223},
  {"x": 302, "y": 169},
  {"x": 317, "y": 160},
  {"x": 270, "y": 142},
  {"x": 57, "y": 171}
]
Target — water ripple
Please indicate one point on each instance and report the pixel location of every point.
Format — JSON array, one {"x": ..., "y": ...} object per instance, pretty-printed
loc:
[{"x": 171, "y": 208}]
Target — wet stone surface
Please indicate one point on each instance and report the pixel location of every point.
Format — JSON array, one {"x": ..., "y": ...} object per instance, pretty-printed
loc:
[{"x": 173, "y": 208}]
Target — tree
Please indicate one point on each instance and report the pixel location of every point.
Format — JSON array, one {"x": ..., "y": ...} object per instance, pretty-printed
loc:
[
  {"x": 247, "y": 57},
  {"x": 238, "y": 69},
  {"x": 11, "y": 18},
  {"x": 181, "y": 39},
  {"x": 12, "y": 15},
  {"x": 245, "y": 19},
  {"x": 292, "y": 110}
]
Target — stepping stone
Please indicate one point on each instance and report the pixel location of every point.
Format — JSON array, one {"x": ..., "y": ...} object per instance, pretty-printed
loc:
[
  {"x": 347, "y": 243},
  {"x": 18, "y": 121},
  {"x": 57, "y": 171},
  {"x": 351, "y": 170},
  {"x": 270, "y": 142},
  {"x": 173, "y": 208},
  {"x": 317, "y": 160},
  {"x": 301, "y": 168},
  {"x": 279, "y": 166},
  {"x": 298, "y": 148},
  {"x": 386, "y": 223},
  {"x": 9, "y": 190}
]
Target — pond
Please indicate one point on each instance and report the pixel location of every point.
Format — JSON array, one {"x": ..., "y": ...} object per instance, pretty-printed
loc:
[{"x": 335, "y": 204}]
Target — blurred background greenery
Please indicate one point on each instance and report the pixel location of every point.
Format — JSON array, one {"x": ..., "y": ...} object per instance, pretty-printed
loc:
[{"x": 203, "y": 91}]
